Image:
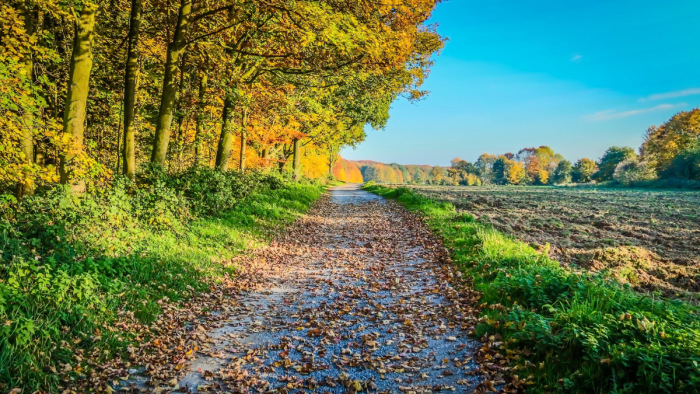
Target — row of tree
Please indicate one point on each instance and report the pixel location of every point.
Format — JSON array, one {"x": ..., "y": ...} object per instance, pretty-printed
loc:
[
  {"x": 530, "y": 166},
  {"x": 669, "y": 152},
  {"x": 366, "y": 170},
  {"x": 90, "y": 89}
]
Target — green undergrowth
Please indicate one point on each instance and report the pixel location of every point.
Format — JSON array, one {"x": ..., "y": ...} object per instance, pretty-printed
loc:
[
  {"x": 566, "y": 331},
  {"x": 72, "y": 265}
]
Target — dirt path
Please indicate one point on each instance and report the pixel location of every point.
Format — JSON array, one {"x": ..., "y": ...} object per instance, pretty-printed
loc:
[{"x": 354, "y": 298}]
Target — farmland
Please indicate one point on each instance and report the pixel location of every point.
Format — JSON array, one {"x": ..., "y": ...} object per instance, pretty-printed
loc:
[{"x": 647, "y": 238}]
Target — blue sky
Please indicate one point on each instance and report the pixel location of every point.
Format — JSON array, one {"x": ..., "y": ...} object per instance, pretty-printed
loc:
[{"x": 579, "y": 76}]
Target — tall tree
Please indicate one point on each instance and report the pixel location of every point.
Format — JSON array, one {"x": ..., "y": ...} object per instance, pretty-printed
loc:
[
  {"x": 611, "y": 158},
  {"x": 76, "y": 101},
  {"x": 27, "y": 137},
  {"x": 583, "y": 170},
  {"x": 130, "y": 78},
  {"x": 297, "y": 158},
  {"x": 244, "y": 139},
  {"x": 175, "y": 51},
  {"x": 199, "y": 132},
  {"x": 663, "y": 143},
  {"x": 223, "y": 153}
]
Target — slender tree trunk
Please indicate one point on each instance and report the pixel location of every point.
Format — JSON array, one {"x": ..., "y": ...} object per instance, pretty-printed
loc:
[
  {"x": 27, "y": 137},
  {"x": 265, "y": 155},
  {"x": 297, "y": 159},
  {"x": 283, "y": 160},
  {"x": 333, "y": 156},
  {"x": 76, "y": 102},
  {"x": 130, "y": 78},
  {"x": 167, "y": 102},
  {"x": 223, "y": 154},
  {"x": 198, "y": 137},
  {"x": 181, "y": 115},
  {"x": 244, "y": 139}
]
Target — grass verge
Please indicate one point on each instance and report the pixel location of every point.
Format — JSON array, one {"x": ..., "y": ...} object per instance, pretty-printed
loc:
[
  {"x": 562, "y": 330},
  {"x": 80, "y": 273}
]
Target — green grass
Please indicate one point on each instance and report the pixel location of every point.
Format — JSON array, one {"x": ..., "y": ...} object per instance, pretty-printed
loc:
[
  {"x": 72, "y": 267},
  {"x": 567, "y": 331}
]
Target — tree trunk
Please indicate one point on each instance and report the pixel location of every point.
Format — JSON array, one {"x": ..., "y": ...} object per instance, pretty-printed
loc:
[
  {"x": 78, "y": 83},
  {"x": 265, "y": 156},
  {"x": 333, "y": 156},
  {"x": 198, "y": 137},
  {"x": 283, "y": 160},
  {"x": 297, "y": 159},
  {"x": 170, "y": 89},
  {"x": 27, "y": 138},
  {"x": 244, "y": 139},
  {"x": 131, "y": 74},
  {"x": 178, "y": 107},
  {"x": 223, "y": 154}
]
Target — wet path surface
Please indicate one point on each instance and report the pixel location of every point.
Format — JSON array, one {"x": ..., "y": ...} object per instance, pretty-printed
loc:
[{"x": 353, "y": 298}]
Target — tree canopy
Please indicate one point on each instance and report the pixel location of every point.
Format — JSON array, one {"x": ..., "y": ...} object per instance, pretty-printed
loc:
[{"x": 98, "y": 88}]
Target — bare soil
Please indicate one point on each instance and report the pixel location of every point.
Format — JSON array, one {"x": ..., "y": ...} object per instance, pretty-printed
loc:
[{"x": 647, "y": 238}]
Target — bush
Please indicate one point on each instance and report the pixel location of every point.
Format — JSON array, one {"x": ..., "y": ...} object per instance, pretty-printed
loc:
[
  {"x": 686, "y": 165},
  {"x": 74, "y": 265},
  {"x": 633, "y": 170}
]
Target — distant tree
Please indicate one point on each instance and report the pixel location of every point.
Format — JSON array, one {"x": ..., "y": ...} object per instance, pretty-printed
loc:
[
  {"x": 484, "y": 165},
  {"x": 473, "y": 180},
  {"x": 562, "y": 174},
  {"x": 459, "y": 171},
  {"x": 533, "y": 166},
  {"x": 398, "y": 174},
  {"x": 524, "y": 154},
  {"x": 537, "y": 161},
  {"x": 405, "y": 174},
  {"x": 438, "y": 176},
  {"x": 664, "y": 143},
  {"x": 419, "y": 177},
  {"x": 634, "y": 170},
  {"x": 515, "y": 173},
  {"x": 499, "y": 170},
  {"x": 583, "y": 170},
  {"x": 542, "y": 177},
  {"x": 686, "y": 165},
  {"x": 611, "y": 158}
]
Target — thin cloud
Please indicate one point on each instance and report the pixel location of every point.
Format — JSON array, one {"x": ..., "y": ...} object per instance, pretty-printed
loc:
[
  {"x": 613, "y": 114},
  {"x": 671, "y": 95},
  {"x": 576, "y": 58}
]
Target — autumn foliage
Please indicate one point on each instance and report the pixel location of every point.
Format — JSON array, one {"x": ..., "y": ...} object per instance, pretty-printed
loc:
[
  {"x": 143, "y": 143},
  {"x": 97, "y": 89}
]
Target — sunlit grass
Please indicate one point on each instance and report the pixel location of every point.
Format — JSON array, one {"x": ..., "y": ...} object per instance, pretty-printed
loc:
[
  {"x": 582, "y": 332},
  {"x": 76, "y": 284}
]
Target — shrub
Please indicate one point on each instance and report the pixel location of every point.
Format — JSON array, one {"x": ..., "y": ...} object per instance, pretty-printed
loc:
[
  {"x": 562, "y": 174},
  {"x": 610, "y": 160},
  {"x": 583, "y": 170},
  {"x": 70, "y": 264},
  {"x": 686, "y": 165},
  {"x": 633, "y": 170}
]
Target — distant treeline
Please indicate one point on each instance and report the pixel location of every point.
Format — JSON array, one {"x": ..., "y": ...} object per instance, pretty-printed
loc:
[
  {"x": 669, "y": 156},
  {"x": 365, "y": 171}
]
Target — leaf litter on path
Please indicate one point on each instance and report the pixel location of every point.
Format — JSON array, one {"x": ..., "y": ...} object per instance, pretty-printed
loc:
[{"x": 357, "y": 296}]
